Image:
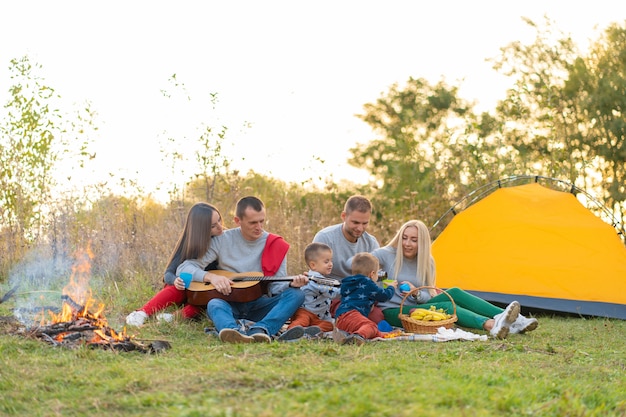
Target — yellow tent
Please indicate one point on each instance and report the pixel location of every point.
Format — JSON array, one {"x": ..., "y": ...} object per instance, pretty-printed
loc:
[{"x": 536, "y": 245}]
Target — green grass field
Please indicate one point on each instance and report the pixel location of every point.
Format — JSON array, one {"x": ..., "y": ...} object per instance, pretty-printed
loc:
[{"x": 567, "y": 367}]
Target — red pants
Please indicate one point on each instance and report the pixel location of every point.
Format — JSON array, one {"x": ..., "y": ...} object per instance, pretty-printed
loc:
[
  {"x": 168, "y": 296},
  {"x": 355, "y": 322},
  {"x": 376, "y": 314},
  {"x": 305, "y": 318}
]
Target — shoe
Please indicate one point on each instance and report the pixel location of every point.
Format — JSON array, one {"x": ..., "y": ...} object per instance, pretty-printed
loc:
[
  {"x": 354, "y": 339},
  {"x": 384, "y": 326},
  {"x": 339, "y": 336},
  {"x": 233, "y": 336},
  {"x": 136, "y": 318},
  {"x": 260, "y": 336},
  {"x": 211, "y": 332},
  {"x": 504, "y": 321},
  {"x": 312, "y": 332},
  {"x": 167, "y": 317},
  {"x": 523, "y": 325},
  {"x": 292, "y": 334}
]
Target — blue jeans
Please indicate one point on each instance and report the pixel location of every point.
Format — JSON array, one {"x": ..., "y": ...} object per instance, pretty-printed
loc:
[{"x": 269, "y": 313}]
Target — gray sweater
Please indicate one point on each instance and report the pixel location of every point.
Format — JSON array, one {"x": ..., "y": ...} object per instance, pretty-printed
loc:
[
  {"x": 344, "y": 250},
  {"x": 235, "y": 254},
  {"x": 387, "y": 258}
]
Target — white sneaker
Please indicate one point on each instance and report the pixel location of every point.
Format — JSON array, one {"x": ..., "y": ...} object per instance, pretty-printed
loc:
[
  {"x": 234, "y": 336},
  {"x": 523, "y": 325},
  {"x": 168, "y": 317},
  {"x": 136, "y": 318},
  {"x": 504, "y": 320}
]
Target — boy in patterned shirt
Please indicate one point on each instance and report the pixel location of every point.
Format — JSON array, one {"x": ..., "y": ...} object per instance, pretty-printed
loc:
[
  {"x": 314, "y": 314},
  {"x": 359, "y": 292}
]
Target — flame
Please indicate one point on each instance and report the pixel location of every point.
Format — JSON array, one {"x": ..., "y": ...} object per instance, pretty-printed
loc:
[
  {"x": 79, "y": 302},
  {"x": 78, "y": 288}
]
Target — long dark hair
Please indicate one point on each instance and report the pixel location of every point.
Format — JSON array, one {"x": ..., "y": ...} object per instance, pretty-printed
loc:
[{"x": 195, "y": 239}]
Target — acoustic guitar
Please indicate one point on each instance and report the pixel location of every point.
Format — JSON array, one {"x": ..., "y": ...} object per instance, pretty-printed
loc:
[{"x": 247, "y": 286}]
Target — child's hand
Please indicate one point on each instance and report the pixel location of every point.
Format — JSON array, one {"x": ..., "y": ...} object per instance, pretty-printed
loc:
[
  {"x": 299, "y": 281},
  {"x": 393, "y": 283}
]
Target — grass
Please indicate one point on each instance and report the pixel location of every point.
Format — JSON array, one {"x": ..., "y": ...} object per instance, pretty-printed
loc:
[{"x": 567, "y": 367}]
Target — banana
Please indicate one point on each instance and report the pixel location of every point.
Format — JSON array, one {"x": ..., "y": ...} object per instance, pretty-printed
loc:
[
  {"x": 440, "y": 315},
  {"x": 432, "y": 314}
]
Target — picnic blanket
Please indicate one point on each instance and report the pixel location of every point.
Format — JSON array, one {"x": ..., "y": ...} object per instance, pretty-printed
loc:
[{"x": 442, "y": 335}]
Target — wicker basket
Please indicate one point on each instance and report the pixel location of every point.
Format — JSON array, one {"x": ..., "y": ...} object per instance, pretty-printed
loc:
[{"x": 411, "y": 325}]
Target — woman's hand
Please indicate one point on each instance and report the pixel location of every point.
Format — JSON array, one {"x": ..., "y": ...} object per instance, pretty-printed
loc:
[{"x": 179, "y": 283}]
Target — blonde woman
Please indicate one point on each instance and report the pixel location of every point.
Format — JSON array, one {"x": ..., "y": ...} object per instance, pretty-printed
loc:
[{"x": 408, "y": 259}]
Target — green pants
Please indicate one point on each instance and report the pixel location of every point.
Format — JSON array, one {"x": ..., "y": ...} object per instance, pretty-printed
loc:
[{"x": 472, "y": 312}]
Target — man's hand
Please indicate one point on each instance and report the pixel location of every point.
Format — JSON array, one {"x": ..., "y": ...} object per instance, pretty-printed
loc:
[
  {"x": 222, "y": 284},
  {"x": 299, "y": 281}
]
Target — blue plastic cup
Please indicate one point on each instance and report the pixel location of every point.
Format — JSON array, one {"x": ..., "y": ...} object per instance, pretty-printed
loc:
[{"x": 186, "y": 277}]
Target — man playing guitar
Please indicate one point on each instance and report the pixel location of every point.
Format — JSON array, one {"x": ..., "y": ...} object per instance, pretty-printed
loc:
[{"x": 248, "y": 247}]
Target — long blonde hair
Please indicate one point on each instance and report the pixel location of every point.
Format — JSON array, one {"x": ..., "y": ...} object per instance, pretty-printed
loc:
[{"x": 425, "y": 261}]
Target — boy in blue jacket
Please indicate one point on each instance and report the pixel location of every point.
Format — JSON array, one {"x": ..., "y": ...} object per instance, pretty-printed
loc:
[{"x": 359, "y": 292}]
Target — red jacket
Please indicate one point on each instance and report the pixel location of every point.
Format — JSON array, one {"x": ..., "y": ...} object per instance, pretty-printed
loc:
[{"x": 273, "y": 254}]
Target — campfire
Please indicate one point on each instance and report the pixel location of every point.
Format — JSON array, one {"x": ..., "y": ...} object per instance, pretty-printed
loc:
[{"x": 80, "y": 320}]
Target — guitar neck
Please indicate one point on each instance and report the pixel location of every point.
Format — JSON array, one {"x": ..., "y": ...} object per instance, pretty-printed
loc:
[
  {"x": 254, "y": 276},
  {"x": 263, "y": 278},
  {"x": 321, "y": 281}
]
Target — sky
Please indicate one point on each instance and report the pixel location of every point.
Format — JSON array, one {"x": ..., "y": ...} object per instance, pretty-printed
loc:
[{"x": 290, "y": 76}]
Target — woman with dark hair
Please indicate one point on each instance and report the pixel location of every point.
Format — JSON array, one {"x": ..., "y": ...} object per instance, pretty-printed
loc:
[
  {"x": 203, "y": 222},
  {"x": 408, "y": 259}
]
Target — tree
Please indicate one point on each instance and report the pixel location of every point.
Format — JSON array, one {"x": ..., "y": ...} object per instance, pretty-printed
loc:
[
  {"x": 210, "y": 166},
  {"x": 565, "y": 114},
  {"x": 431, "y": 149},
  {"x": 600, "y": 81},
  {"x": 33, "y": 138},
  {"x": 414, "y": 124},
  {"x": 27, "y": 134},
  {"x": 539, "y": 116}
]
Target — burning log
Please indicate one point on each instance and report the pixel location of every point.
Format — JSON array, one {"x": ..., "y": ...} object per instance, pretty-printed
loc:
[
  {"x": 75, "y": 334},
  {"x": 84, "y": 336},
  {"x": 75, "y": 324},
  {"x": 91, "y": 330},
  {"x": 75, "y": 306},
  {"x": 82, "y": 332},
  {"x": 57, "y": 328}
]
